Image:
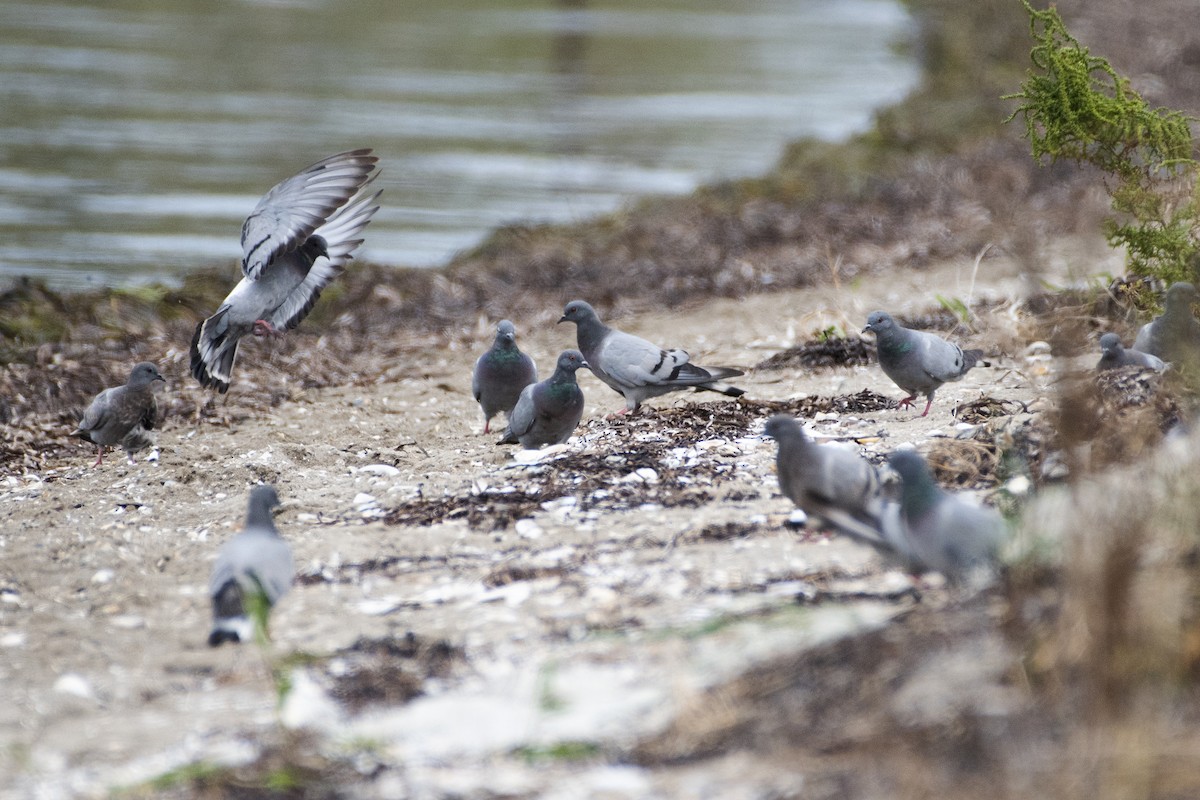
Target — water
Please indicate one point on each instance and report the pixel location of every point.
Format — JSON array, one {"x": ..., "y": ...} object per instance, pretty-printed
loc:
[{"x": 136, "y": 135}]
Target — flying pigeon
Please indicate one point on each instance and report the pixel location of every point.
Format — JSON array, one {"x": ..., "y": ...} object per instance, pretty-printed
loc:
[
  {"x": 547, "y": 412},
  {"x": 123, "y": 415},
  {"x": 295, "y": 242},
  {"x": 829, "y": 482},
  {"x": 1175, "y": 334},
  {"x": 1115, "y": 355},
  {"x": 500, "y": 375},
  {"x": 918, "y": 362},
  {"x": 253, "y": 566},
  {"x": 637, "y": 368}
]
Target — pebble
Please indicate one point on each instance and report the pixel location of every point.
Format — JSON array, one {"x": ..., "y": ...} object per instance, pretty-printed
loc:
[
  {"x": 528, "y": 529},
  {"x": 75, "y": 685},
  {"x": 641, "y": 475},
  {"x": 380, "y": 469},
  {"x": 1018, "y": 486}
]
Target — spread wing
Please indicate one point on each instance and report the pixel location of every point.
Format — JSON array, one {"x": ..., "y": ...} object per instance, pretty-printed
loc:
[{"x": 289, "y": 214}]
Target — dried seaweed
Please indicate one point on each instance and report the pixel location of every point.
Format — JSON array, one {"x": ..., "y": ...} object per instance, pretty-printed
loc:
[
  {"x": 390, "y": 671},
  {"x": 829, "y": 352}
]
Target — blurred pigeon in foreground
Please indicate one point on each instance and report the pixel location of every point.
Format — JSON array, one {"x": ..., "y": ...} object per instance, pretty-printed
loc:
[
  {"x": 295, "y": 242},
  {"x": 829, "y": 482},
  {"x": 1115, "y": 355},
  {"x": 918, "y": 362},
  {"x": 637, "y": 368},
  {"x": 123, "y": 415},
  {"x": 253, "y": 567},
  {"x": 1175, "y": 334},
  {"x": 937, "y": 530},
  {"x": 500, "y": 375},
  {"x": 547, "y": 412},
  {"x": 930, "y": 529}
]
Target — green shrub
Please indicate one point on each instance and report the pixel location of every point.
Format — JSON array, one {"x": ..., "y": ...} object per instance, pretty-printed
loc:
[{"x": 1076, "y": 106}]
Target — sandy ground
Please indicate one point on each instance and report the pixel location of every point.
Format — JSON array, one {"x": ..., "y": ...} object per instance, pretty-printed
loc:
[{"x": 590, "y": 620}]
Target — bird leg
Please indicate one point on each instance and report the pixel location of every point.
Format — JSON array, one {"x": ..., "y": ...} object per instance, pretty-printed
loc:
[
  {"x": 99, "y": 456},
  {"x": 487, "y": 426},
  {"x": 264, "y": 328},
  {"x": 927, "y": 405},
  {"x": 906, "y": 402}
]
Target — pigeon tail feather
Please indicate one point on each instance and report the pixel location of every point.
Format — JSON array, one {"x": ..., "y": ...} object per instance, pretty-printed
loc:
[
  {"x": 232, "y": 629},
  {"x": 721, "y": 388},
  {"x": 213, "y": 353},
  {"x": 230, "y": 623},
  {"x": 973, "y": 358}
]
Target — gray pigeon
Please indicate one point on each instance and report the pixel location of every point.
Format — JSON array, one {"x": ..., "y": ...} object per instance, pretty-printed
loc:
[
  {"x": 500, "y": 375},
  {"x": 547, "y": 412},
  {"x": 1175, "y": 334},
  {"x": 637, "y": 368},
  {"x": 1115, "y": 355},
  {"x": 829, "y": 482},
  {"x": 295, "y": 242},
  {"x": 254, "y": 566},
  {"x": 918, "y": 362},
  {"x": 123, "y": 415},
  {"x": 930, "y": 529}
]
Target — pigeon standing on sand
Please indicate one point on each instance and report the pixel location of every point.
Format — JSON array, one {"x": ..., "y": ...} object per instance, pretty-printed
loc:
[
  {"x": 918, "y": 362},
  {"x": 255, "y": 563},
  {"x": 295, "y": 242},
  {"x": 547, "y": 412},
  {"x": 636, "y": 368},
  {"x": 930, "y": 529},
  {"x": 123, "y": 415},
  {"x": 1174, "y": 335},
  {"x": 829, "y": 482},
  {"x": 500, "y": 375},
  {"x": 1115, "y": 355}
]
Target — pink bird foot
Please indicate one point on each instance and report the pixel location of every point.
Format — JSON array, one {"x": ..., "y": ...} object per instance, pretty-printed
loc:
[{"x": 264, "y": 328}]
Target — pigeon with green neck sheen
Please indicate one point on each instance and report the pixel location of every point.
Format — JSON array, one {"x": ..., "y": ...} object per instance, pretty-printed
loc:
[
  {"x": 933, "y": 530},
  {"x": 918, "y": 362},
  {"x": 501, "y": 374},
  {"x": 636, "y": 368},
  {"x": 548, "y": 412}
]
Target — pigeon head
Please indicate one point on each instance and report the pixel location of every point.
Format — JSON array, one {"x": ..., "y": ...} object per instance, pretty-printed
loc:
[
  {"x": 143, "y": 375},
  {"x": 262, "y": 499},
  {"x": 782, "y": 426},
  {"x": 506, "y": 332},
  {"x": 879, "y": 322},
  {"x": 578, "y": 311},
  {"x": 1111, "y": 343},
  {"x": 1180, "y": 296},
  {"x": 919, "y": 491},
  {"x": 571, "y": 360}
]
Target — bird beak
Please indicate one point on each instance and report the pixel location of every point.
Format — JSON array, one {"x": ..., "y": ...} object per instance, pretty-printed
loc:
[
  {"x": 563, "y": 318},
  {"x": 584, "y": 364},
  {"x": 867, "y": 329}
]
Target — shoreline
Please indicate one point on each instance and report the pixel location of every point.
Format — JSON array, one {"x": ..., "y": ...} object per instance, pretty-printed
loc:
[{"x": 631, "y": 615}]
